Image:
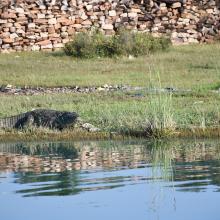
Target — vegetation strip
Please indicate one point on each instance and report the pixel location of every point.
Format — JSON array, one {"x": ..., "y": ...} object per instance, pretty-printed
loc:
[
  {"x": 78, "y": 135},
  {"x": 125, "y": 114},
  {"x": 194, "y": 67},
  {"x": 156, "y": 109}
]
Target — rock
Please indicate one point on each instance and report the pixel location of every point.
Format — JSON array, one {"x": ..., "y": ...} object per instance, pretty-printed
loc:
[
  {"x": 41, "y": 16},
  {"x": 35, "y": 48},
  {"x": 7, "y": 15},
  {"x": 132, "y": 15},
  {"x": 112, "y": 13},
  {"x": 89, "y": 7},
  {"x": 100, "y": 89},
  {"x": 48, "y": 46},
  {"x": 87, "y": 23},
  {"x": 58, "y": 45},
  {"x": 89, "y": 127},
  {"x": 6, "y": 88},
  {"x": 3, "y": 21},
  {"x": 49, "y": 24},
  {"x": 19, "y": 10},
  {"x": 13, "y": 36},
  {"x": 52, "y": 21},
  {"x": 44, "y": 42},
  {"x": 107, "y": 27},
  {"x": 31, "y": 25},
  {"x": 177, "y": 5},
  {"x": 8, "y": 40}
]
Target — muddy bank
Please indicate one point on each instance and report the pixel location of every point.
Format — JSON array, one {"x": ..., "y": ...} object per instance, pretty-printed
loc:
[{"x": 54, "y": 135}]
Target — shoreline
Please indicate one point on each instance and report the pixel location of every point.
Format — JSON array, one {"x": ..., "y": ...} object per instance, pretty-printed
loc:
[{"x": 78, "y": 135}]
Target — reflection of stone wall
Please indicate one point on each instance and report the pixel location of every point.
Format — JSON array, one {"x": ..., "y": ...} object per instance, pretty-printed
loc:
[
  {"x": 49, "y": 24},
  {"x": 91, "y": 155}
]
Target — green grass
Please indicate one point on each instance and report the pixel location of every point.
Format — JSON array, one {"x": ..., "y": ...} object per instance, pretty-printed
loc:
[
  {"x": 193, "y": 67},
  {"x": 125, "y": 113}
]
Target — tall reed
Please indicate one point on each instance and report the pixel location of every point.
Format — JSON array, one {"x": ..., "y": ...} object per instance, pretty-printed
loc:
[{"x": 160, "y": 117}]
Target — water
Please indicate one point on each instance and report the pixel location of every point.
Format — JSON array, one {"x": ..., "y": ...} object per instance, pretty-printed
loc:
[{"x": 110, "y": 180}]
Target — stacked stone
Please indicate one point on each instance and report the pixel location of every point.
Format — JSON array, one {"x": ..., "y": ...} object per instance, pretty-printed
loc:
[
  {"x": 199, "y": 22},
  {"x": 49, "y": 24}
]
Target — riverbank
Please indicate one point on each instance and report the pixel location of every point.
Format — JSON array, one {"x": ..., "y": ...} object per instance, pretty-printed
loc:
[
  {"x": 121, "y": 115},
  {"x": 176, "y": 93},
  {"x": 76, "y": 135}
]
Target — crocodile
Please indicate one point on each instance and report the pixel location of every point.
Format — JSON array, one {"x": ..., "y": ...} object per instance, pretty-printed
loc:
[{"x": 41, "y": 118}]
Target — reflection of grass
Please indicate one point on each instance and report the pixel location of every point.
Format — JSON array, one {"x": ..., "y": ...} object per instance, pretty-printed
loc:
[
  {"x": 164, "y": 154},
  {"x": 162, "y": 157}
]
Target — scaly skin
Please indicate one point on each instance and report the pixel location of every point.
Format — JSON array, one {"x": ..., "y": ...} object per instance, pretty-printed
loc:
[
  {"x": 40, "y": 118},
  {"x": 12, "y": 122}
]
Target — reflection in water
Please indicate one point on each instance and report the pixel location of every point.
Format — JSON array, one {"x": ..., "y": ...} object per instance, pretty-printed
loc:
[
  {"x": 196, "y": 175},
  {"x": 48, "y": 169}
]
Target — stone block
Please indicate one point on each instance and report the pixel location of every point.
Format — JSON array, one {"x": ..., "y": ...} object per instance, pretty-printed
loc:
[
  {"x": 71, "y": 31},
  {"x": 13, "y": 36},
  {"x": 64, "y": 21},
  {"x": 40, "y": 21},
  {"x": 19, "y": 10},
  {"x": 89, "y": 7},
  {"x": 35, "y": 48},
  {"x": 107, "y": 27},
  {"x": 132, "y": 15},
  {"x": 58, "y": 45},
  {"x": 31, "y": 25},
  {"x": 52, "y": 21},
  {"x": 6, "y": 15},
  {"x": 112, "y": 13},
  {"x": 177, "y": 5},
  {"x": 41, "y": 16},
  {"x": 47, "y": 46},
  {"x": 8, "y": 40},
  {"x": 51, "y": 30},
  {"x": 87, "y": 22},
  {"x": 44, "y": 42},
  {"x": 3, "y": 21}
]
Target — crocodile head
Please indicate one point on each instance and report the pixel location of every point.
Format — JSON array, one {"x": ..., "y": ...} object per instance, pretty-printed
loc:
[{"x": 67, "y": 119}]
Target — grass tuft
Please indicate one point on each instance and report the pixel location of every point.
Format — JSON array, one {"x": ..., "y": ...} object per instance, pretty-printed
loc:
[{"x": 160, "y": 119}]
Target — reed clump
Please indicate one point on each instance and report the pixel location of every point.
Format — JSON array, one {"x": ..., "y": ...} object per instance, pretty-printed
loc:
[{"x": 160, "y": 120}]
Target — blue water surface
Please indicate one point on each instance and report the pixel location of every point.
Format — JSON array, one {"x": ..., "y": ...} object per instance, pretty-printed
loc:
[{"x": 121, "y": 180}]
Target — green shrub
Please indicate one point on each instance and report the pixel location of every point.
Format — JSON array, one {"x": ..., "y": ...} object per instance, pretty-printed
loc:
[
  {"x": 81, "y": 46},
  {"x": 125, "y": 43}
]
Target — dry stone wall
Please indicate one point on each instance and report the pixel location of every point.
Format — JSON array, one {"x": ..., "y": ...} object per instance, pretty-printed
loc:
[{"x": 49, "y": 24}]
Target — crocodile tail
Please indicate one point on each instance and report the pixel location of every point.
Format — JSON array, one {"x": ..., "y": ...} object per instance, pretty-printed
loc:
[
  {"x": 11, "y": 122},
  {"x": 5, "y": 123}
]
